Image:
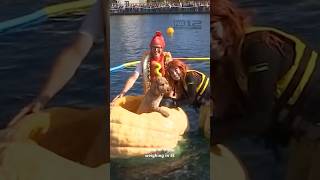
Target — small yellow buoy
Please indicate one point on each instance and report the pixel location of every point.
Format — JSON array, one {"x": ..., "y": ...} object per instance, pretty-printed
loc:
[{"x": 170, "y": 31}]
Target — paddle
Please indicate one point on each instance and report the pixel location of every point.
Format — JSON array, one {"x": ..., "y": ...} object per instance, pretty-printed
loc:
[{"x": 133, "y": 63}]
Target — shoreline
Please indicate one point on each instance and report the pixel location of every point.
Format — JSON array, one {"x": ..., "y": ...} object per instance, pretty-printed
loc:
[
  {"x": 156, "y": 13},
  {"x": 160, "y": 10}
]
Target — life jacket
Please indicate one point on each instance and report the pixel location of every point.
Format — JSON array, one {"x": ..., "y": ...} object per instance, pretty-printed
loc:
[
  {"x": 202, "y": 86},
  {"x": 152, "y": 68},
  {"x": 291, "y": 85}
]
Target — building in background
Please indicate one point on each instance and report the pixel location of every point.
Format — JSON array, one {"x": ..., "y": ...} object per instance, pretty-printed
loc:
[{"x": 128, "y": 2}]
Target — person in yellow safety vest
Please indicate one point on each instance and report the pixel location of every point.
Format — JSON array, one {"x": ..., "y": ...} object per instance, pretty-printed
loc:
[
  {"x": 152, "y": 65},
  {"x": 266, "y": 86},
  {"x": 190, "y": 87}
]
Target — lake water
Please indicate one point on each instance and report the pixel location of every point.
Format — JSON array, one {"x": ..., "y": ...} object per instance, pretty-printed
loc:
[{"x": 130, "y": 37}]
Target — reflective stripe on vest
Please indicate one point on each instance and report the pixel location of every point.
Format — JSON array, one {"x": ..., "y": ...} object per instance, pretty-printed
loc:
[
  {"x": 292, "y": 84},
  {"x": 203, "y": 84}
]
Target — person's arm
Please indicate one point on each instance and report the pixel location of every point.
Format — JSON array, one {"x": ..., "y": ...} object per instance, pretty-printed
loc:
[
  {"x": 67, "y": 62},
  {"x": 132, "y": 79},
  {"x": 130, "y": 82},
  {"x": 64, "y": 68},
  {"x": 66, "y": 65},
  {"x": 263, "y": 68},
  {"x": 192, "y": 82}
]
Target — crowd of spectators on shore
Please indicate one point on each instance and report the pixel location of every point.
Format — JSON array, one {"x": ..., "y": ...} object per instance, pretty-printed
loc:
[{"x": 165, "y": 6}]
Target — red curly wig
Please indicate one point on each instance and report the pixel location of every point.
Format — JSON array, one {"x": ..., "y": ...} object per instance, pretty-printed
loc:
[
  {"x": 234, "y": 20},
  {"x": 176, "y": 86}
]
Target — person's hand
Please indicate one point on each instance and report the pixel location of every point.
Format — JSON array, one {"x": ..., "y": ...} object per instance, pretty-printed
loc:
[
  {"x": 33, "y": 107},
  {"x": 116, "y": 98}
]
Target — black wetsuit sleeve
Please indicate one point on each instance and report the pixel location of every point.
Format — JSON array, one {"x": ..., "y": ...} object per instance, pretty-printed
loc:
[
  {"x": 263, "y": 65},
  {"x": 190, "y": 94}
]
